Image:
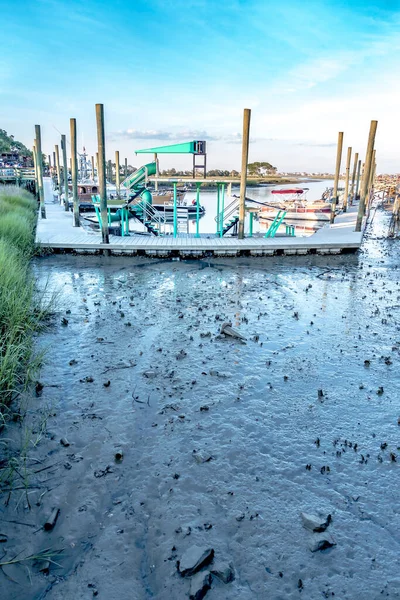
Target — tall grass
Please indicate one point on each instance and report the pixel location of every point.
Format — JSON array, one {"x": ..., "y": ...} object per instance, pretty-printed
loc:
[{"x": 19, "y": 310}]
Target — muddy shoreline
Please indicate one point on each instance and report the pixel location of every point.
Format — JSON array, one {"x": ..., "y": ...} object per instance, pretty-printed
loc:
[{"x": 134, "y": 364}]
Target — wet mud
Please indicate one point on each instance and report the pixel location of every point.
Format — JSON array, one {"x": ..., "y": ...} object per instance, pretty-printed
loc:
[{"x": 221, "y": 444}]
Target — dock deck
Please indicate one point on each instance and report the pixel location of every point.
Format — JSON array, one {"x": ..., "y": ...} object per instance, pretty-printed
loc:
[{"x": 57, "y": 233}]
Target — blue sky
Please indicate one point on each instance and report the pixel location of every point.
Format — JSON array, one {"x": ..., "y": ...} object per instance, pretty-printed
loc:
[{"x": 178, "y": 70}]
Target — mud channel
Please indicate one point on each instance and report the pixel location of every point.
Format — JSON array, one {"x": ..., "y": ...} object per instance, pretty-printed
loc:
[{"x": 216, "y": 435}]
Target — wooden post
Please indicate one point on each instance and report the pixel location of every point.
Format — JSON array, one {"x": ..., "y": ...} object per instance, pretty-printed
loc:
[
  {"x": 101, "y": 170},
  {"x": 93, "y": 168},
  {"x": 371, "y": 180},
  {"x": 65, "y": 169},
  {"x": 74, "y": 172},
  {"x": 337, "y": 175},
  {"x": 346, "y": 187},
  {"x": 35, "y": 169},
  {"x": 358, "y": 179},
  {"x": 353, "y": 178},
  {"x": 97, "y": 166},
  {"x": 126, "y": 168},
  {"x": 49, "y": 159},
  {"x": 117, "y": 176},
  {"x": 243, "y": 174},
  {"x": 54, "y": 160},
  {"x": 367, "y": 171},
  {"x": 39, "y": 167},
  {"x": 57, "y": 162}
]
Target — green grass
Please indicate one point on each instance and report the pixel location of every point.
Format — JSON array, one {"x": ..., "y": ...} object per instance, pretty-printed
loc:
[{"x": 20, "y": 312}]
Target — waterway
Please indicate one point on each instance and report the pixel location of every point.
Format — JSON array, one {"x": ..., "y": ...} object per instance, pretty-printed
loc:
[{"x": 302, "y": 417}]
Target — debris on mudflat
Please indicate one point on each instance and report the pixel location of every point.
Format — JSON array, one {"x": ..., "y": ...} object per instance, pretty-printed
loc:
[
  {"x": 150, "y": 374},
  {"x": 215, "y": 373},
  {"x": 119, "y": 455},
  {"x": 3, "y": 538},
  {"x": 87, "y": 379},
  {"x": 199, "y": 585},
  {"x": 64, "y": 442},
  {"x": 223, "y": 570},
  {"x": 103, "y": 472},
  {"x": 227, "y": 329},
  {"x": 201, "y": 457},
  {"x": 51, "y": 521},
  {"x": 379, "y": 391},
  {"x": 107, "y": 383},
  {"x": 315, "y": 523},
  {"x": 64, "y": 321},
  {"x": 320, "y": 394},
  {"x": 194, "y": 559},
  {"x": 322, "y": 541},
  {"x": 181, "y": 354}
]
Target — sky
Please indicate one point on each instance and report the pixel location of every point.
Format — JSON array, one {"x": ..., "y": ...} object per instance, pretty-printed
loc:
[{"x": 172, "y": 71}]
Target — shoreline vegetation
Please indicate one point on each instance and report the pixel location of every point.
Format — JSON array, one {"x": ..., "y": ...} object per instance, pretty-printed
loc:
[{"x": 20, "y": 308}]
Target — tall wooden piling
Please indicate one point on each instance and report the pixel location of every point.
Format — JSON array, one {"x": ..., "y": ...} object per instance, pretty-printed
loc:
[
  {"x": 39, "y": 168},
  {"x": 126, "y": 168},
  {"x": 35, "y": 169},
  {"x": 49, "y": 159},
  {"x": 358, "y": 180},
  {"x": 353, "y": 178},
  {"x": 97, "y": 166},
  {"x": 57, "y": 163},
  {"x": 65, "y": 171},
  {"x": 371, "y": 179},
  {"x": 54, "y": 161},
  {"x": 367, "y": 172},
  {"x": 117, "y": 174},
  {"x": 243, "y": 174},
  {"x": 346, "y": 186},
  {"x": 101, "y": 166},
  {"x": 74, "y": 172},
  {"x": 93, "y": 168},
  {"x": 337, "y": 175}
]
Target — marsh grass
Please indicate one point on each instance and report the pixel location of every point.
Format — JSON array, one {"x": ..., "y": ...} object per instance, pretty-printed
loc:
[{"x": 21, "y": 310}]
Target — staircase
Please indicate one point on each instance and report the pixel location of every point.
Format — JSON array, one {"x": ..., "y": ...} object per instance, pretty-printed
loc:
[
  {"x": 228, "y": 218},
  {"x": 273, "y": 228},
  {"x": 148, "y": 216}
]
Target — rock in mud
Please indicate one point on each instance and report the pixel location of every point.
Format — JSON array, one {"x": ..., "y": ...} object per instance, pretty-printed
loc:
[
  {"x": 150, "y": 374},
  {"x": 227, "y": 329},
  {"x": 201, "y": 457},
  {"x": 194, "y": 559},
  {"x": 199, "y": 585},
  {"x": 322, "y": 542},
  {"x": 315, "y": 523},
  {"x": 224, "y": 571}
]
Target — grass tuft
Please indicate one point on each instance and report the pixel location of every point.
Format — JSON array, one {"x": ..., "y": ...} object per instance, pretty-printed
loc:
[{"x": 20, "y": 311}]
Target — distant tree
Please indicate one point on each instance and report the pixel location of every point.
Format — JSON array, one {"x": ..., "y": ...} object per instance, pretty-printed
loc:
[
  {"x": 9, "y": 144},
  {"x": 259, "y": 169}
]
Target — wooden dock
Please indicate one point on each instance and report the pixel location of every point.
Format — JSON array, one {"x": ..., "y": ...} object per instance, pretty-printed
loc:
[{"x": 57, "y": 233}]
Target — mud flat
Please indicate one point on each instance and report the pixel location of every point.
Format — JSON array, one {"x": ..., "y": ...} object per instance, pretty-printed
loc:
[{"x": 223, "y": 444}]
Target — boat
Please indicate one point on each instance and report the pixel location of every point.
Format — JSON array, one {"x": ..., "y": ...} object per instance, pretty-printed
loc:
[{"x": 297, "y": 207}]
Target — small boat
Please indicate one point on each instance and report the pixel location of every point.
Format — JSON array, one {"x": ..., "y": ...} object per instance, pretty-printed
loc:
[{"x": 300, "y": 210}]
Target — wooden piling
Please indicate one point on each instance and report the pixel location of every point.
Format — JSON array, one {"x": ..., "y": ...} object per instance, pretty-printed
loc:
[
  {"x": 126, "y": 168},
  {"x": 157, "y": 173},
  {"x": 117, "y": 175},
  {"x": 49, "y": 159},
  {"x": 54, "y": 161},
  {"x": 101, "y": 166},
  {"x": 337, "y": 175},
  {"x": 35, "y": 169},
  {"x": 39, "y": 168},
  {"x": 367, "y": 172},
  {"x": 65, "y": 170},
  {"x": 243, "y": 174},
  {"x": 358, "y": 179},
  {"x": 97, "y": 166},
  {"x": 93, "y": 168},
  {"x": 57, "y": 163},
  {"x": 353, "y": 178},
  {"x": 74, "y": 172},
  {"x": 346, "y": 186}
]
